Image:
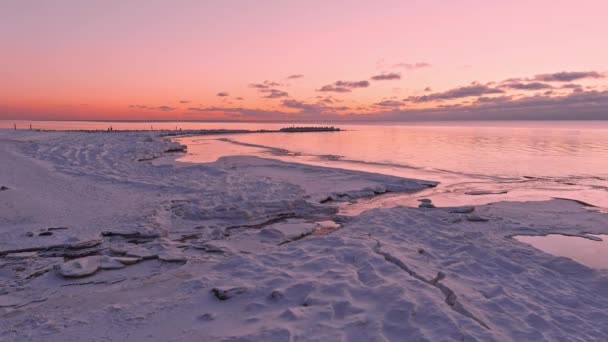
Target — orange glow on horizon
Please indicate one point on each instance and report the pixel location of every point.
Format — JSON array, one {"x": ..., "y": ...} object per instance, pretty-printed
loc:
[{"x": 100, "y": 60}]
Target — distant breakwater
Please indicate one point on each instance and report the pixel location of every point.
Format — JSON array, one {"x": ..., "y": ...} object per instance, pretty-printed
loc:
[{"x": 232, "y": 131}]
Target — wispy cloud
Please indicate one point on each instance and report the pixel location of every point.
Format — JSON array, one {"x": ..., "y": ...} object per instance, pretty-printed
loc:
[
  {"x": 295, "y": 76},
  {"x": 184, "y": 101},
  {"x": 568, "y": 76},
  {"x": 267, "y": 88},
  {"x": 265, "y": 85},
  {"x": 274, "y": 93},
  {"x": 344, "y": 86},
  {"x": 162, "y": 108},
  {"x": 350, "y": 84},
  {"x": 494, "y": 99},
  {"x": 526, "y": 86},
  {"x": 457, "y": 93},
  {"x": 412, "y": 66},
  {"x": 165, "y": 108},
  {"x": 389, "y": 103},
  {"x": 335, "y": 89},
  {"x": 295, "y": 104},
  {"x": 223, "y": 94},
  {"x": 214, "y": 109},
  {"x": 386, "y": 77}
]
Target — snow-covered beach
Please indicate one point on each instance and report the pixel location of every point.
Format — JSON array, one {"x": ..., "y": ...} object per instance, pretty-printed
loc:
[{"x": 104, "y": 237}]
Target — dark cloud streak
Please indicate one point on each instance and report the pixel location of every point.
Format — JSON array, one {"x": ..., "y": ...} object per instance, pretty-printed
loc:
[
  {"x": 527, "y": 86},
  {"x": 389, "y": 103},
  {"x": 344, "y": 86},
  {"x": 274, "y": 93},
  {"x": 457, "y": 93},
  {"x": 386, "y": 77},
  {"x": 567, "y": 76}
]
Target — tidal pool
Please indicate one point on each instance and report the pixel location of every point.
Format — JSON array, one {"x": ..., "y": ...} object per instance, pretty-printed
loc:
[{"x": 591, "y": 251}]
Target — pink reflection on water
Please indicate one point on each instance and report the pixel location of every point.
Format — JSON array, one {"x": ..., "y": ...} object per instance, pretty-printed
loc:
[
  {"x": 527, "y": 161},
  {"x": 583, "y": 250}
]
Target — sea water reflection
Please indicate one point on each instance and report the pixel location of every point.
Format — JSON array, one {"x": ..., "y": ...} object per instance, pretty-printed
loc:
[
  {"x": 529, "y": 161},
  {"x": 587, "y": 251}
]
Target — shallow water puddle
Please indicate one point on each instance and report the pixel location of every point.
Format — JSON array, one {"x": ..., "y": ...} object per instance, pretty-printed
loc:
[{"x": 583, "y": 250}]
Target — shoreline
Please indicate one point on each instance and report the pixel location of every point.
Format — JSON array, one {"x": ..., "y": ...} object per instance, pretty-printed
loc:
[
  {"x": 227, "y": 250},
  {"x": 455, "y": 188},
  {"x": 178, "y": 132}
]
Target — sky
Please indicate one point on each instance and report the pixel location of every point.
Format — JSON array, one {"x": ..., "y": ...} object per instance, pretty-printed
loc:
[{"x": 303, "y": 60}]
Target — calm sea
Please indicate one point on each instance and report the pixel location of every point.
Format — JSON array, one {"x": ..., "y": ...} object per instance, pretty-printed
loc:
[{"x": 525, "y": 159}]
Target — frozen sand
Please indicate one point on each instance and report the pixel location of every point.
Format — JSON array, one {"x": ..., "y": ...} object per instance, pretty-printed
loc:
[{"x": 242, "y": 225}]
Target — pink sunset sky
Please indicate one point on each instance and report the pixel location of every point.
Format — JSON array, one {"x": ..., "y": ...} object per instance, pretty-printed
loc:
[{"x": 303, "y": 60}]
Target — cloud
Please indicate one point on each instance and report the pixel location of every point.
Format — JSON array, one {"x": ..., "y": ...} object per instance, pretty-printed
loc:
[
  {"x": 495, "y": 99},
  {"x": 576, "y": 88},
  {"x": 214, "y": 109},
  {"x": 577, "y": 105},
  {"x": 274, "y": 93},
  {"x": 567, "y": 76},
  {"x": 386, "y": 77},
  {"x": 582, "y": 105},
  {"x": 295, "y": 104},
  {"x": 265, "y": 85},
  {"x": 527, "y": 86},
  {"x": 457, "y": 93},
  {"x": 165, "y": 108},
  {"x": 341, "y": 108},
  {"x": 312, "y": 109},
  {"x": 344, "y": 86},
  {"x": 332, "y": 88},
  {"x": 412, "y": 66},
  {"x": 389, "y": 103},
  {"x": 349, "y": 84},
  {"x": 223, "y": 94},
  {"x": 239, "y": 98},
  {"x": 513, "y": 80},
  {"x": 295, "y": 76},
  {"x": 541, "y": 99},
  {"x": 428, "y": 89}
]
